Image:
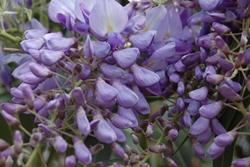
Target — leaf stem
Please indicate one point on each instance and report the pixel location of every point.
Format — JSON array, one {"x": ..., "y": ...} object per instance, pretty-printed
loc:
[{"x": 10, "y": 37}]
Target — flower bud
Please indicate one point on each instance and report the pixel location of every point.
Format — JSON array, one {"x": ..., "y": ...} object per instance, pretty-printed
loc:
[
  {"x": 101, "y": 49},
  {"x": 70, "y": 161},
  {"x": 172, "y": 134},
  {"x": 198, "y": 73},
  {"x": 215, "y": 78},
  {"x": 174, "y": 77},
  {"x": 171, "y": 162},
  {"x": 187, "y": 120},
  {"x": 126, "y": 97},
  {"x": 121, "y": 137},
  {"x": 193, "y": 107},
  {"x": 49, "y": 57},
  {"x": 126, "y": 57},
  {"x": 78, "y": 96},
  {"x": 206, "y": 41},
  {"x": 225, "y": 139},
  {"x": 40, "y": 71},
  {"x": 111, "y": 71},
  {"x": 11, "y": 120},
  {"x": 30, "y": 78},
  {"x": 9, "y": 162},
  {"x": 214, "y": 151},
  {"x": 12, "y": 108},
  {"x": 149, "y": 130},
  {"x": 88, "y": 48},
  {"x": 144, "y": 77},
  {"x": 157, "y": 148},
  {"x": 199, "y": 126},
  {"x": 116, "y": 40},
  {"x": 60, "y": 144},
  {"x": 199, "y": 94},
  {"x": 104, "y": 132},
  {"x": 220, "y": 28},
  {"x": 229, "y": 93},
  {"x": 82, "y": 121},
  {"x": 217, "y": 127},
  {"x": 32, "y": 44},
  {"x": 119, "y": 151},
  {"x": 82, "y": 153},
  {"x": 60, "y": 43},
  {"x": 128, "y": 114},
  {"x": 243, "y": 162},
  {"x": 221, "y": 44},
  {"x": 3, "y": 145},
  {"x": 34, "y": 33},
  {"x": 191, "y": 59},
  {"x": 105, "y": 91},
  {"x": 211, "y": 110},
  {"x": 198, "y": 149},
  {"x": 205, "y": 136},
  {"x": 52, "y": 35},
  {"x": 226, "y": 65},
  {"x": 120, "y": 121},
  {"x": 142, "y": 106},
  {"x": 181, "y": 88},
  {"x": 142, "y": 40},
  {"x": 15, "y": 92}
]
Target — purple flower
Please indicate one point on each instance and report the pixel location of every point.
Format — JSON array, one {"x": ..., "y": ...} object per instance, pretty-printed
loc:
[
  {"x": 60, "y": 144},
  {"x": 172, "y": 134},
  {"x": 88, "y": 48},
  {"x": 70, "y": 161},
  {"x": 142, "y": 40},
  {"x": 199, "y": 126},
  {"x": 229, "y": 93},
  {"x": 211, "y": 110},
  {"x": 144, "y": 77},
  {"x": 126, "y": 97},
  {"x": 101, "y": 49},
  {"x": 104, "y": 132},
  {"x": 129, "y": 114},
  {"x": 82, "y": 153},
  {"x": 119, "y": 151},
  {"x": 40, "y": 71},
  {"x": 126, "y": 57},
  {"x": 121, "y": 137},
  {"x": 225, "y": 139},
  {"x": 60, "y": 43},
  {"x": 120, "y": 121},
  {"x": 243, "y": 162},
  {"x": 199, "y": 94},
  {"x": 49, "y": 57},
  {"x": 104, "y": 91},
  {"x": 82, "y": 121},
  {"x": 217, "y": 127},
  {"x": 214, "y": 151},
  {"x": 142, "y": 106},
  {"x": 199, "y": 150}
]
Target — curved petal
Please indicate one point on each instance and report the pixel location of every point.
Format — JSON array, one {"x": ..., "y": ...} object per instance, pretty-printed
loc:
[
  {"x": 61, "y": 7},
  {"x": 108, "y": 16}
]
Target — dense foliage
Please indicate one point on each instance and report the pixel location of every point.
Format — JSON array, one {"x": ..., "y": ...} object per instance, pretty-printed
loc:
[{"x": 139, "y": 83}]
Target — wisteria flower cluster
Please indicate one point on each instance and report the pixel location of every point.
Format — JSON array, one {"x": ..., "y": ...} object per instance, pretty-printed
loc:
[{"x": 92, "y": 88}]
